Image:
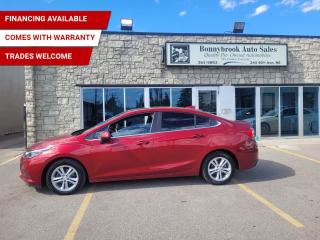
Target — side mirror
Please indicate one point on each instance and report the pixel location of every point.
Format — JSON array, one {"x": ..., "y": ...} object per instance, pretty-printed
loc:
[{"x": 105, "y": 137}]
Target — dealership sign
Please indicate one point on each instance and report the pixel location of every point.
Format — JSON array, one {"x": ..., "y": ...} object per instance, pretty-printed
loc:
[{"x": 225, "y": 54}]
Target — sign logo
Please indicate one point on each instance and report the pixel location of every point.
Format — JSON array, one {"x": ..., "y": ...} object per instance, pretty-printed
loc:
[{"x": 180, "y": 54}]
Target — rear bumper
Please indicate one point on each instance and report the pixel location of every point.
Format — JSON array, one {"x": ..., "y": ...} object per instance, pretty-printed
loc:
[{"x": 248, "y": 155}]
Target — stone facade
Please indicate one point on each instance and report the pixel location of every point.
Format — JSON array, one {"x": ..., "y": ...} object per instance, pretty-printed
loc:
[{"x": 53, "y": 99}]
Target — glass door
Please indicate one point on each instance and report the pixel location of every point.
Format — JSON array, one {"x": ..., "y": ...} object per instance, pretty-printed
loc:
[
  {"x": 289, "y": 111},
  {"x": 206, "y": 99},
  {"x": 310, "y": 111},
  {"x": 269, "y": 111}
]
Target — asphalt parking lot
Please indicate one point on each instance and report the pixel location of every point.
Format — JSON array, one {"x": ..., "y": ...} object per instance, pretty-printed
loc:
[{"x": 279, "y": 199}]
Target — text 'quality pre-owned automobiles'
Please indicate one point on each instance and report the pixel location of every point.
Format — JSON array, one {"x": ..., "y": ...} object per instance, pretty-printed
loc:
[{"x": 140, "y": 144}]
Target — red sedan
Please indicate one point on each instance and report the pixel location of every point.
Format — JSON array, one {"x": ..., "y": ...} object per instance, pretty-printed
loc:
[{"x": 140, "y": 144}]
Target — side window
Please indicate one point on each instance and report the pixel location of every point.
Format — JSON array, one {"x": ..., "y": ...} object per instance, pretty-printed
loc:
[
  {"x": 138, "y": 124},
  {"x": 176, "y": 121},
  {"x": 205, "y": 122},
  {"x": 202, "y": 121},
  {"x": 213, "y": 123}
]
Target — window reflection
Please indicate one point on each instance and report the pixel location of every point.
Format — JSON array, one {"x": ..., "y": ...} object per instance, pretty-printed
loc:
[
  {"x": 245, "y": 105},
  {"x": 310, "y": 111},
  {"x": 289, "y": 111},
  {"x": 113, "y": 101},
  {"x": 208, "y": 101},
  {"x": 92, "y": 107},
  {"x": 269, "y": 111},
  {"x": 159, "y": 97},
  {"x": 134, "y": 98},
  {"x": 181, "y": 97}
]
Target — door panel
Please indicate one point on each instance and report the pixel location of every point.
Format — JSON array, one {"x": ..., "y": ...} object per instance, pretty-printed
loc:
[
  {"x": 178, "y": 152},
  {"x": 122, "y": 157}
]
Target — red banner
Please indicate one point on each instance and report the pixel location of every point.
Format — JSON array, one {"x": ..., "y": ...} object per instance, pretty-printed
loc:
[
  {"x": 50, "y": 37},
  {"x": 54, "y": 19},
  {"x": 45, "y": 56}
]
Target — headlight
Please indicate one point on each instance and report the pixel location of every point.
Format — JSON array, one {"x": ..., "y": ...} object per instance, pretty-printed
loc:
[{"x": 31, "y": 154}]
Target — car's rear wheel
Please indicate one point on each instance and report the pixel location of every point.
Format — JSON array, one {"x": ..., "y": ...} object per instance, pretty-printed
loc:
[
  {"x": 265, "y": 128},
  {"x": 65, "y": 176},
  {"x": 218, "y": 168}
]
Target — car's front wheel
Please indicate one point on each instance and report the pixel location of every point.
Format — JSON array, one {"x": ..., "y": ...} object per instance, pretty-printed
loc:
[
  {"x": 218, "y": 168},
  {"x": 65, "y": 176}
]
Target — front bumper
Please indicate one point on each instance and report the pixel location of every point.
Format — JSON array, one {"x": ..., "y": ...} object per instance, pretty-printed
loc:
[{"x": 30, "y": 172}]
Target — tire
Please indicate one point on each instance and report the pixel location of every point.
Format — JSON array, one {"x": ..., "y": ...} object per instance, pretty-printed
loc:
[
  {"x": 212, "y": 161},
  {"x": 265, "y": 128},
  {"x": 65, "y": 182}
]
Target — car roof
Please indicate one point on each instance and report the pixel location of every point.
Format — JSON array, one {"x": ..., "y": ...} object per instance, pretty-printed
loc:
[{"x": 190, "y": 109}]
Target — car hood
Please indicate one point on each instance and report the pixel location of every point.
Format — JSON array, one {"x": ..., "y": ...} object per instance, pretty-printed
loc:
[{"x": 52, "y": 141}]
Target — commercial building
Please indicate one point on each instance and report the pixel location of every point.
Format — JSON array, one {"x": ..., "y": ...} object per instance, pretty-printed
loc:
[{"x": 270, "y": 81}]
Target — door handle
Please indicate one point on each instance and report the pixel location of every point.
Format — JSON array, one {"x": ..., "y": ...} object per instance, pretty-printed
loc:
[
  {"x": 197, "y": 136},
  {"x": 143, "y": 142}
]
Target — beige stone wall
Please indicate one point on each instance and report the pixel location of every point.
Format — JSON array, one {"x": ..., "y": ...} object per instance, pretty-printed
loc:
[{"x": 54, "y": 98}]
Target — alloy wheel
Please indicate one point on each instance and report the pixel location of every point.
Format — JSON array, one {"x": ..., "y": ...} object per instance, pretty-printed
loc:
[
  {"x": 64, "y": 178},
  {"x": 219, "y": 169}
]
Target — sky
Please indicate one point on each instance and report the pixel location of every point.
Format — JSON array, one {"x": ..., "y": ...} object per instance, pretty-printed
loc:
[{"x": 284, "y": 17}]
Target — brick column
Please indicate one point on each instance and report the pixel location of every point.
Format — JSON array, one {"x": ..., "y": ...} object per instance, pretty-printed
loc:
[{"x": 30, "y": 104}]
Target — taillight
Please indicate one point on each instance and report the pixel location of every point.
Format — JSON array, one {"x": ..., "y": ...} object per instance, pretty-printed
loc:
[{"x": 250, "y": 132}]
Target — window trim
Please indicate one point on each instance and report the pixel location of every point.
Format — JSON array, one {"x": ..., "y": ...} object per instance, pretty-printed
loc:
[{"x": 156, "y": 123}]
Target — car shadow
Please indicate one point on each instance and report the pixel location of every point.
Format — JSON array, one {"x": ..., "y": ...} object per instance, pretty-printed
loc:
[{"x": 266, "y": 170}]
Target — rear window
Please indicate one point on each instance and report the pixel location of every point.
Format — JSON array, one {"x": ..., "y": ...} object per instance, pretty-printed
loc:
[
  {"x": 176, "y": 121},
  {"x": 202, "y": 121},
  {"x": 205, "y": 122}
]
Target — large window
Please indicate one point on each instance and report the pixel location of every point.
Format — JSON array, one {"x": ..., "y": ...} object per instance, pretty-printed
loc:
[
  {"x": 269, "y": 111},
  {"x": 289, "y": 111},
  {"x": 245, "y": 105},
  {"x": 310, "y": 111},
  {"x": 92, "y": 107},
  {"x": 208, "y": 101},
  {"x": 134, "y": 98},
  {"x": 113, "y": 98},
  {"x": 181, "y": 97},
  {"x": 159, "y": 97},
  {"x": 283, "y": 110}
]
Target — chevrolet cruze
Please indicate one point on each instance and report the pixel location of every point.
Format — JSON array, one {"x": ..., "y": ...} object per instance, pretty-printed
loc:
[{"x": 141, "y": 144}]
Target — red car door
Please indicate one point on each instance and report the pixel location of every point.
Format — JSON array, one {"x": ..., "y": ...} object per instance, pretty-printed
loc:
[
  {"x": 179, "y": 147},
  {"x": 128, "y": 152}
]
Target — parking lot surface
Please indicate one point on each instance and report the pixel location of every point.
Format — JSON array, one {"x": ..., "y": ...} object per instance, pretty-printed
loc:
[{"x": 278, "y": 199}]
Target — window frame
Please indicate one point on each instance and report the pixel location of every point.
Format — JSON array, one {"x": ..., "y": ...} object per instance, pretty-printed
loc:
[{"x": 121, "y": 119}]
